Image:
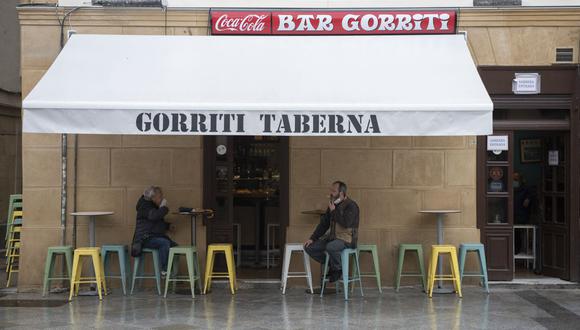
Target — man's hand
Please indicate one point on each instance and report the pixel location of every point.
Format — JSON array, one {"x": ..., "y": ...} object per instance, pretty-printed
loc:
[
  {"x": 163, "y": 203},
  {"x": 526, "y": 202},
  {"x": 331, "y": 206},
  {"x": 308, "y": 242}
]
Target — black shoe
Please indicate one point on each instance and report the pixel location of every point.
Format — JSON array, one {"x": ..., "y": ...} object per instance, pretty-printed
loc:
[{"x": 334, "y": 276}]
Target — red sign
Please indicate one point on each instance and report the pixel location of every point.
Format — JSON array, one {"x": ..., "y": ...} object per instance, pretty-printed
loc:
[{"x": 342, "y": 22}]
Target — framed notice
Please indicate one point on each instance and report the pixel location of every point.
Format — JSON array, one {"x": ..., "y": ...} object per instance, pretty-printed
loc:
[{"x": 531, "y": 150}]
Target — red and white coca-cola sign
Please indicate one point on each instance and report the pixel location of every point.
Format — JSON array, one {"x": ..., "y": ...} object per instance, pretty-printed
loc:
[
  {"x": 284, "y": 22},
  {"x": 241, "y": 22}
]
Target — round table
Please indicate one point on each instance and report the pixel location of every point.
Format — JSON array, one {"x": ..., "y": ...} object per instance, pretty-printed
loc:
[
  {"x": 440, "y": 215},
  {"x": 92, "y": 217},
  {"x": 318, "y": 212},
  {"x": 193, "y": 216}
]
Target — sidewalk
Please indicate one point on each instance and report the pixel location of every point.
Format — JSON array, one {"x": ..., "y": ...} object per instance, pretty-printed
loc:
[{"x": 268, "y": 309}]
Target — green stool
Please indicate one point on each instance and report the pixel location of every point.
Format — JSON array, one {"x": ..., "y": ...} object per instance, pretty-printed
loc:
[
  {"x": 372, "y": 249},
  {"x": 53, "y": 251},
  {"x": 418, "y": 248},
  {"x": 193, "y": 270},
  {"x": 139, "y": 272},
  {"x": 124, "y": 265}
]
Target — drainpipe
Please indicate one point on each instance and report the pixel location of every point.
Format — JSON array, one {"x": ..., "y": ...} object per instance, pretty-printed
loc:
[
  {"x": 63, "y": 196},
  {"x": 76, "y": 160}
]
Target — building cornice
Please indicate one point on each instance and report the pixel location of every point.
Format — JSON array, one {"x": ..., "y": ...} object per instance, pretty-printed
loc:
[{"x": 199, "y": 17}]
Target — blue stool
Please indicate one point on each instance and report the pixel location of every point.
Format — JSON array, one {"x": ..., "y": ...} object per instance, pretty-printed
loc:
[
  {"x": 346, "y": 278},
  {"x": 473, "y": 247},
  {"x": 124, "y": 265},
  {"x": 138, "y": 269}
]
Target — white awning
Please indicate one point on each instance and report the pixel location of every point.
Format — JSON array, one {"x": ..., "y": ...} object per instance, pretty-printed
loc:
[{"x": 261, "y": 85}]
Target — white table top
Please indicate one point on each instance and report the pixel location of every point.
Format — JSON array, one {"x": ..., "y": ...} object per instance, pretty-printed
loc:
[
  {"x": 439, "y": 211},
  {"x": 92, "y": 213}
]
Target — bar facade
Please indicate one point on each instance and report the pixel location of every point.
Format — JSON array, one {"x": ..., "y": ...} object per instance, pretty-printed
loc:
[{"x": 392, "y": 178}]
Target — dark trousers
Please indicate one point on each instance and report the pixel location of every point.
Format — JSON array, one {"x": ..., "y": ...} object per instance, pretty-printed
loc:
[
  {"x": 162, "y": 244},
  {"x": 334, "y": 248}
]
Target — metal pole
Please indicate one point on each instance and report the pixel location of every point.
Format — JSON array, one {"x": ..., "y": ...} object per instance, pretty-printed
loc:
[
  {"x": 63, "y": 196},
  {"x": 76, "y": 160}
]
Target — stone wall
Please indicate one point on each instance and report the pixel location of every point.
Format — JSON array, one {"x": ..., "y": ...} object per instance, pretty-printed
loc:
[{"x": 392, "y": 179}]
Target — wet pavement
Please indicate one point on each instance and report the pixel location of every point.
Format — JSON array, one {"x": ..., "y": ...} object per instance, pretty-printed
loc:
[{"x": 266, "y": 308}]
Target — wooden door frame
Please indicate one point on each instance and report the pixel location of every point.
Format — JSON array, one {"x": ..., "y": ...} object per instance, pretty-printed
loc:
[
  {"x": 488, "y": 230},
  {"x": 560, "y": 90}
]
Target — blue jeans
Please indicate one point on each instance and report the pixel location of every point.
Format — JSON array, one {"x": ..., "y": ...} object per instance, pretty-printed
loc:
[
  {"x": 162, "y": 244},
  {"x": 334, "y": 248}
]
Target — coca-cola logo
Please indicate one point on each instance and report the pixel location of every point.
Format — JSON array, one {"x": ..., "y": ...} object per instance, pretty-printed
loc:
[{"x": 250, "y": 23}]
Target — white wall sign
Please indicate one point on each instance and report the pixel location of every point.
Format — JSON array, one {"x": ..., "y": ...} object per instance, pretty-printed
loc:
[
  {"x": 527, "y": 83},
  {"x": 497, "y": 142},
  {"x": 553, "y": 158}
]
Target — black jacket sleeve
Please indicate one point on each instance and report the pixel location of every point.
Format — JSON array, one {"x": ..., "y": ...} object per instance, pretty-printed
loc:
[
  {"x": 346, "y": 217},
  {"x": 322, "y": 226},
  {"x": 157, "y": 214}
]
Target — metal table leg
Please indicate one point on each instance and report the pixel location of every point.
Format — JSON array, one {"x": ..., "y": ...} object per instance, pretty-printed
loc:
[
  {"x": 439, "y": 242},
  {"x": 193, "y": 236}
]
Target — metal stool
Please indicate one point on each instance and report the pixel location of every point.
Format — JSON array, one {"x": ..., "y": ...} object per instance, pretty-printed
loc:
[
  {"x": 480, "y": 250},
  {"x": 418, "y": 248},
  {"x": 346, "y": 278},
  {"x": 372, "y": 249},
  {"x": 122, "y": 252},
  {"x": 138, "y": 269},
  {"x": 193, "y": 270},
  {"x": 53, "y": 251},
  {"x": 288, "y": 249}
]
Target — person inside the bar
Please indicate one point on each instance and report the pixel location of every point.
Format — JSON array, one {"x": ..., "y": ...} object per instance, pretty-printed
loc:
[
  {"x": 522, "y": 199},
  {"x": 151, "y": 228},
  {"x": 337, "y": 230}
]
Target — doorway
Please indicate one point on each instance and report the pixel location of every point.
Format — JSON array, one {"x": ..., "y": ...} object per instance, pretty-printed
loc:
[
  {"x": 246, "y": 183},
  {"x": 525, "y": 202}
]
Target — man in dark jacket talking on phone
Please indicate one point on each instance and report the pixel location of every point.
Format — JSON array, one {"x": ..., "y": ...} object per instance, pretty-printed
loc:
[
  {"x": 337, "y": 230},
  {"x": 151, "y": 228}
]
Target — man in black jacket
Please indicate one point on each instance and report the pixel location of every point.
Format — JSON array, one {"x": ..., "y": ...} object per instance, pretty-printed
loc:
[
  {"x": 337, "y": 230},
  {"x": 151, "y": 227}
]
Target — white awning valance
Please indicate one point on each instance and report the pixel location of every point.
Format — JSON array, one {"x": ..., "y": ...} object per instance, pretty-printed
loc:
[{"x": 261, "y": 85}]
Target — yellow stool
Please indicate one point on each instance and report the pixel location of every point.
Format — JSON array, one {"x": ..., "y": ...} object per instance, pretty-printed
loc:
[
  {"x": 13, "y": 265},
  {"x": 436, "y": 250},
  {"x": 77, "y": 280},
  {"x": 12, "y": 229},
  {"x": 228, "y": 250}
]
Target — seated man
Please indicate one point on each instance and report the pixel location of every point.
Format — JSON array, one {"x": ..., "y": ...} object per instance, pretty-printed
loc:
[
  {"x": 151, "y": 227},
  {"x": 338, "y": 229}
]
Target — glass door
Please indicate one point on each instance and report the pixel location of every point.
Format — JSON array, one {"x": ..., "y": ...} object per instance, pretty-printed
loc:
[{"x": 555, "y": 223}]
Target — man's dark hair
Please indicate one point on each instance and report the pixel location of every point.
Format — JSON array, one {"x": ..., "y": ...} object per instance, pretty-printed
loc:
[{"x": 341, "y": 186}]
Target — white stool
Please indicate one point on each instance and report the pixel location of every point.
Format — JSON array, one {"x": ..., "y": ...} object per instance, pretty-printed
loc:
[
  {"x": 238, "y": 251},
  {"x": 295, "y": 247},
  {"x": 269, "y": 250}
]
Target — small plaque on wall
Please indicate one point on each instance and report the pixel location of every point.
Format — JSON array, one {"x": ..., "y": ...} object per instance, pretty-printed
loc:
[{"x": 527, "y": 83}]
